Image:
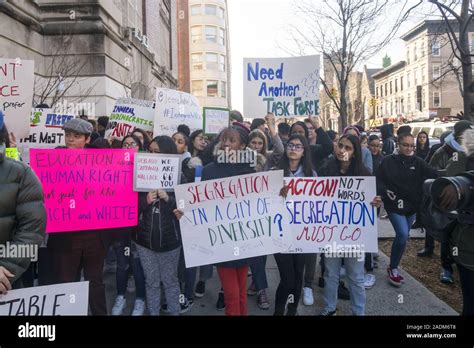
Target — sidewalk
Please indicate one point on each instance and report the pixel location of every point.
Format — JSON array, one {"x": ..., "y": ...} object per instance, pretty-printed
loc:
[{"x": 383, "y": 299}]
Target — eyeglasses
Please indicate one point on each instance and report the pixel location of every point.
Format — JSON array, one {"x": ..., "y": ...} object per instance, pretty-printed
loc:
[
  {"x": 129, "y": 145},
  {"x": 297, "y": 147},
  {"x": 411, "y": 146}
]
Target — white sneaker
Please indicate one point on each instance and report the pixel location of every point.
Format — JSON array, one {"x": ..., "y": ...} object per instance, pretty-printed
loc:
[
  {"x": 308, "y": 299},
  {"x": 369, "y": 281},
  {"x": 119, "y": 305},
  {"x": 138, "y": 308}
]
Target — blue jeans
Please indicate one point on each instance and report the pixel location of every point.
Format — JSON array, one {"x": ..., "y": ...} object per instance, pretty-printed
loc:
[
  {"x": 402, "y": 226},
  {"x": 125, "y": 258},
  {"x": 259, "y": 275},
  {"x": 355, "y": 276},
  {"x": 187, "y": 277}
]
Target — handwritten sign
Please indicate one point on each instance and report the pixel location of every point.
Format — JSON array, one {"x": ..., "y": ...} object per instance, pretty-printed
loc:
[
  {"x": 53, "y": 300},
  {"x": 215, "y": 120},
  {"x": 129, "y": 114},
  {"x": 12, "y": 152},
  {"x": 284, "y": 86},
  {"x": 16, "y": 94},
  {"x": 232, "y": 218},
  {"x": 45, "y": 131},
  {"x": 331, "y": 213},
  {"x": 156, "y": 171},
  {"x": 86, "y": 189},
  {"x": 174, "y": 108}
]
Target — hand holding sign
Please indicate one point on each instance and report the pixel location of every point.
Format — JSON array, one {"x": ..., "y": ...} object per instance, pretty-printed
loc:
[
  {"x": 163, "y": 195},
  {"x": 5, "y": 284}
]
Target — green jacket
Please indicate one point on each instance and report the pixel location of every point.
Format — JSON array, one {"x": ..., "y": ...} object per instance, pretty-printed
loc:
[{"x": 22, "y": 213}]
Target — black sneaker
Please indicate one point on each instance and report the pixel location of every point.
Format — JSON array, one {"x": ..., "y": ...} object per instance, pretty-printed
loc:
[
  {"x": 326, "y": 313},
  {"x": 220, "y": 305},
  {"x": 164, "y": 309},
  {"x": 200, "y": 289},
  {"x": 342, "y": 292},
  {"x": 186, "y": 306}
]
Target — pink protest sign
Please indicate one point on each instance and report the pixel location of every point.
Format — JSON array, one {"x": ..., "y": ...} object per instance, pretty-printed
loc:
[{"x": 86, "y": 189}]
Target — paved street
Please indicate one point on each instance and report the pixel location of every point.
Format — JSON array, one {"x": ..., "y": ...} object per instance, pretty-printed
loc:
[{"x": 383, "y": 299}]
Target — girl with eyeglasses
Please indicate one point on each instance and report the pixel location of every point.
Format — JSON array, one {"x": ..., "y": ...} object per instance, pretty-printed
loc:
[
  {"x": 122, "y": 243},
  {"x": 347, "y": 162},
  {"x": 295, "y": 162},
  {"x": 400, "y": 179}
]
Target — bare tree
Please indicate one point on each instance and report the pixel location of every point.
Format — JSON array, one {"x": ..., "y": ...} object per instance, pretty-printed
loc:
[
  {"x": 346, "y": 33},
  {"x": 462, "y": 12},
  {"x": 63, "y": 72}
]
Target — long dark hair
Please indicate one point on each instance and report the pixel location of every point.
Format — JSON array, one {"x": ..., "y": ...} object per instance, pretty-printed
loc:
[
  {"x": 427, "y": 144},
  {"x": 356, "y": 167},
  {"x": 305, "y": 161},
  {"x": 166, "y": 144},
  {"x": 135, "y": 139},
  {"x": 146, "y": 137},
  {"x": 192, "y": 137},
  {"x": 4, "y": 137}
]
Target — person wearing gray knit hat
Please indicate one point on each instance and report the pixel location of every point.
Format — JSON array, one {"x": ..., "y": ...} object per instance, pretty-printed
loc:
[{"x": 78, "y": 126}]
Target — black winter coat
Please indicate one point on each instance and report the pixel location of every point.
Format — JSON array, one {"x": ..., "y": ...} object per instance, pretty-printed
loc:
[
  {"x": 404, "y": 176},
  {"x": 22, "y": 211}
]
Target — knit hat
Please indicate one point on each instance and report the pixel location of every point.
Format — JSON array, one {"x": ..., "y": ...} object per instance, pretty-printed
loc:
[
  {"x": 460, "y": 127},
  {"x": 347, "y": 129},
  {"x": 243, "y": 131}
]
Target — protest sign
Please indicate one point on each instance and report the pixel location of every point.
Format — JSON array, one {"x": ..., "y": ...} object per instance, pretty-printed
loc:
[
  {"x": 156, "y": 171},
  {"x": 286, "y": 87},
  {"x": 129, "y": 114},
  {"x": 232, "y": 218},
  {"x": 12, "y": 152},
  {"x": 215, "y": 120},
  {"x": 53, "y": 300},
  {"x": 86, "y": 189},
  {"x": 16, "y": 94},
  {"x": 174, "y": 108},
  {"x": 45, "y": 132},
  {"x": 331, "y": 213}
]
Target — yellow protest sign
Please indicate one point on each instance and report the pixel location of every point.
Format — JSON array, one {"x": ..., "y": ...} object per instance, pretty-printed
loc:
[{"x": 12, "y": 152}]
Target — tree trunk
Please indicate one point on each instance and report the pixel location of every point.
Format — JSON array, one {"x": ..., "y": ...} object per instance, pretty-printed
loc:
[{"x": 466, "y": 61}]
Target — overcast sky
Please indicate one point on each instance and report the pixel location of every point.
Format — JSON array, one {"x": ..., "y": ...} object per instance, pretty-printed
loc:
[{"x": 257, "y": 29}]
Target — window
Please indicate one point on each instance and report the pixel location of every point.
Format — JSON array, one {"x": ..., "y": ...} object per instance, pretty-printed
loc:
[
  {"x": 211, "y": 34},
  {"x": 220, "y": 13},
  {"x": 408, "y": 102},
  {"x": 422, "y": 49},
  {"x": 211, "y": 10},
  {"x": 135, "y": 14},
  {"x": 195, "y": 10},
  {"x": 436, "y": 100},
  {"x": 402, "y": 106},
  {"x": 415, "y": 53},
  {"x": 223, "y": 89},
  {"x": 221, "y": 37},
  {"x": 212, "y": 88},
  {"x": 423, "y": 100},
  {"x": 221, "y": 63},
  {"x": 401, "y": 83},
  {"x": 211, "y": 61},
  {"x": 435, "y": 49},
  {"x": 197, "y": 88},
  {"x": 408, "y": 79},
  {"x": 436, "y": 72},
  {"x": 376, "y": 91},
  {"x": 408, "y": 55},
  {"x": 471, "y": 44},
  {"x": 391, "y": 91},
  {"x": 386, "y": 89},
  {"x": 396, "y": 85},
  {"x": 196, "y": 61},
  {"x": 196, "y": 34}
]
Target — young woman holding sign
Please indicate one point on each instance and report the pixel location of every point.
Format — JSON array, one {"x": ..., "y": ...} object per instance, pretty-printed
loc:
[
  {"x": 296, "y": 162},
  {"x": 233, "y": 274},
  {"x": 347, "y": 162},
  {"x": 159, "y": 242}
]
